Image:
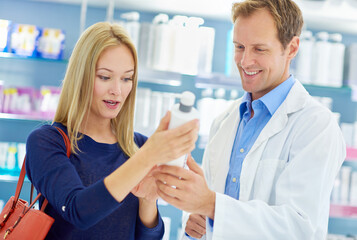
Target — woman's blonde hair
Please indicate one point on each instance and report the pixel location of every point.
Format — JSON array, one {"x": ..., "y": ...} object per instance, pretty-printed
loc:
[{"x": 78, "y": 84}]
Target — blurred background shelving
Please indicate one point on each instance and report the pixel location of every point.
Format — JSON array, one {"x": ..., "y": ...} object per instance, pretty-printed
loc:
[{"x": 75, "y": 15}]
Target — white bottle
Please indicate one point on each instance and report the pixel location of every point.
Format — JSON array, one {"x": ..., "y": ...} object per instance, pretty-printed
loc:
[
  {"x": 162, "y": 42},
  {"x": 179, "y": 43},
  {"x": 181, "y": 113},
  {"x": 353, "y": 189},
  {"x": 192, "y": 43},
  {"x": 336, "y": 61},
  {"x": 220, "y": 103},
  {"x": 132, "y": 26},
  {"x": 304, "y": 58},
  {"x": 204, "y": 106},
  {"x": 351, "y": 79},
  {"x": 321, "y": 55}
]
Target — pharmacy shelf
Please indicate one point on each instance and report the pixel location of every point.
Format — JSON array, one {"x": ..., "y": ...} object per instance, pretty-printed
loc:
[
  {"x": 343, "y": 226},
  {"x": 25, "y": 117},
  {"x": 336, "y": 15},
  {"x": 217, "y": 80},
  {"x": 146, "y": 75},
  {"x": 14, "y": 56},
  {"x": 11, "y": 178}
]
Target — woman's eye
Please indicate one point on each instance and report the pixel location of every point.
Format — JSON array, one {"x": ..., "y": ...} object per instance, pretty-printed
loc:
[
  {"x": 103, "y": 77},
  {"x": 128, "y": 79}
]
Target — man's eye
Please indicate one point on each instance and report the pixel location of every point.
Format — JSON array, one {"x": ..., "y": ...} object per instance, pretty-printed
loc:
[{"x": 260, "y": 50}]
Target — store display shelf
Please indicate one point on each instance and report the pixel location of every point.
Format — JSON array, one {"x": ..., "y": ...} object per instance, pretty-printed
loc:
[
  {"x": 343, "y": 88},
  {"x": 14, "y": 56},
  {"x": 217, "y": 80},
  {"x": 159, "y": 77},
  {"x": 343, "y": 211},
  {"x": 24, "y": 117},
  {"x": 351, "y": 154},
  {"x": 9, "y": 178}
]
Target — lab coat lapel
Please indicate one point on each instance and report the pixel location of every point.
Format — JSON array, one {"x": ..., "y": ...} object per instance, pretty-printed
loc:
[
  {"x": 277, "y": 123},
  {"x": 222, "y": 147}
]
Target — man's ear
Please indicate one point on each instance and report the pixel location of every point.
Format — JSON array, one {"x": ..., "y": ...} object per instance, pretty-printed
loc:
[{"x": 293, "y": 47}]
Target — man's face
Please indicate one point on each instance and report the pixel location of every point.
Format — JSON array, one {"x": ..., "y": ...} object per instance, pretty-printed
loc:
[{"x": 260, "y": 57}]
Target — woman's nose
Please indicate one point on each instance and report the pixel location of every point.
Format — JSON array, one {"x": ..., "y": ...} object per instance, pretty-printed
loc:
[{"x": 115, "y": 88}]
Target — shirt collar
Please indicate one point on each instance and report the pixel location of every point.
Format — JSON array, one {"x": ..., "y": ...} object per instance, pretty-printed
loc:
[
  {"x": 272, "y": 100},
  {"x": 245, "y": 104}
]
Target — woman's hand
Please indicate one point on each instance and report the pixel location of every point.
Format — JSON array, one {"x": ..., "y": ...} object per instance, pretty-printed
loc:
[
  {"x": 166, "y": 145},
  {"x": 147, "y": 188}
]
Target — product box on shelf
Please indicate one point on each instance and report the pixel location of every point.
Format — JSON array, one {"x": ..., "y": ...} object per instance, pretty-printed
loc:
[
  {"x": 1, "y": 95},
  {"x": 11, "y": 157},
  {"x": 48, "y": 101},
  {"x": 51, "y": 43},
  {"x": 4, "y": 35},
  {"x": 24, "y": 39},
  {"x": 18, "y": 100}
]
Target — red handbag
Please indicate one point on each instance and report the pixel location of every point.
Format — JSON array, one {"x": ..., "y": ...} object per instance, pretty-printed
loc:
[{"x": 18, "y": 220}]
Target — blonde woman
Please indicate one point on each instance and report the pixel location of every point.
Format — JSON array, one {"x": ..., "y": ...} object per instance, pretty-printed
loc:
[{"x": 105, "y": 189}]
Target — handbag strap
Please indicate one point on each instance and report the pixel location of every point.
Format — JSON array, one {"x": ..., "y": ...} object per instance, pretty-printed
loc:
[{"x": 23, "y": 173}]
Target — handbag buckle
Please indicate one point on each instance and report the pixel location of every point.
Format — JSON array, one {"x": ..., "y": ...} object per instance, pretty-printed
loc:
[{"x": 6, "y": 233}]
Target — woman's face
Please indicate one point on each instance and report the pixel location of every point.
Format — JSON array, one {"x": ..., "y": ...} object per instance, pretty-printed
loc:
[{"x": 113, "y": 82}]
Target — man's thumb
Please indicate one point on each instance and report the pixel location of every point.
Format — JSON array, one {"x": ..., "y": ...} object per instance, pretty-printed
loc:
[{"x": 193, "y": 166}]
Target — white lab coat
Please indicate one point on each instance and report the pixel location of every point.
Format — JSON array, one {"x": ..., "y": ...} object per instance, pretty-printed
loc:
[{"x": 287, "y": 176}]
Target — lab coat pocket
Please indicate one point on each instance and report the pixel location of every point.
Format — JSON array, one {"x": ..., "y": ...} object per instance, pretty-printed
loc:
[{"x": 267, "y": 174}]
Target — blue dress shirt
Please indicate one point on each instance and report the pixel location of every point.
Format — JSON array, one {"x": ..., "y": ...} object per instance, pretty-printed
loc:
[{"x": 250, "y": 128}]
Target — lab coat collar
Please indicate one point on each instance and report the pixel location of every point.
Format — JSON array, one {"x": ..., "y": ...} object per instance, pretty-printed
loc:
[
  {"x": 221, "y": 144},
  {"x": 296, "y": 100}
]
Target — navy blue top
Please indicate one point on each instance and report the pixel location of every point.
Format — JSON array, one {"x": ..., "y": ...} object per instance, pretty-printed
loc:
[{"x": 78, "y": 199}]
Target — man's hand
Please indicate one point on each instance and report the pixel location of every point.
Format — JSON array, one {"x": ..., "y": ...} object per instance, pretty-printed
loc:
[
  {"x": 190, "y": 193},
  {"x": 196, "y": 226}
]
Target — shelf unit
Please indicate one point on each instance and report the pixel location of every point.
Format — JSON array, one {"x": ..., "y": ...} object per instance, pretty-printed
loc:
[{"x": 16, "y": 127}]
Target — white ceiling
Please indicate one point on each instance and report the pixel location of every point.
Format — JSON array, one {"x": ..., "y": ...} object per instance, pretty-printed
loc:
[{"x": 333, "y": 15}]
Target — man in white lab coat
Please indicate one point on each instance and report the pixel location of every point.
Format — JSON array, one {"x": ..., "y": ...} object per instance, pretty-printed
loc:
[{"x": 273, "y": 155}]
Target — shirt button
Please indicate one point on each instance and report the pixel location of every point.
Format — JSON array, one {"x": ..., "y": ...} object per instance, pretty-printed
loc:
[
  {"x": 234, "y": 179},
  {"x": 241, "y": 150},
  {"x": 63, "y": 208}
]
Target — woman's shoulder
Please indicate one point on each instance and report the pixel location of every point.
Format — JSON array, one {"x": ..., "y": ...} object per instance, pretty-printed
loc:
[
  {"x": 139, "y": 139},
  {"x": 46, "y": 132}
]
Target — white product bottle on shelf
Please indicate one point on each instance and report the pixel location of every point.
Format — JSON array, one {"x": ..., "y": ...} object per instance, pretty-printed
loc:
[
  {"x": 145, "y": 44},
  {"x": 205, "y": 56},
  {"x": 336, "y": 60},
  {"x": 304, "y": 58},
  {"x": 132, "y": 26},
  {"x": 192, "y": 46},
  {"x": 220, "y": 103},
  {"x": 345, "y": 184},
  {"x": 204, "y": 106},
  {"x": 181, "y": 113},
  {"x": 353, "y": 189},
  {"x": 321, "y": 56},
  {"x": 179, "y": 42},
  {"x": 162, "y": 42},
  {"x": 352, "y": 62}
]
